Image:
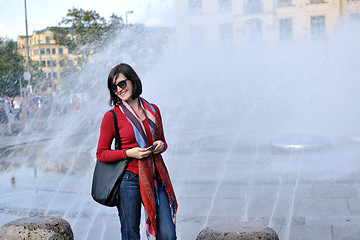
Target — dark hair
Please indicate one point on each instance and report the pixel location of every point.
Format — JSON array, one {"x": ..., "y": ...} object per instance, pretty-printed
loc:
[{"x": 130, "y": 74}]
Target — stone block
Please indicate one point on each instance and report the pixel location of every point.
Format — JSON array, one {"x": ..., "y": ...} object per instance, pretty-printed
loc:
[
  {"x": 238, "y": 231},
  {"x": 37, "y": 228},
  {"x": 16, "y": 126}
]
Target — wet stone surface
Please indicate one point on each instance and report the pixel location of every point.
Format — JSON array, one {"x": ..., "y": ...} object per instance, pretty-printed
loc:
[
  {"x": 307, "y": 195},
  {"x": 238, "y": 231},
  {"x": 37, "y": 228}
]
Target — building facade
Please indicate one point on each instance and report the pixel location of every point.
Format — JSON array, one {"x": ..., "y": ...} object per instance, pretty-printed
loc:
[
  {"x": 55, "y": 60},
  {"x": 235, "y": 22},
  {"x": 52, "y": 58}
]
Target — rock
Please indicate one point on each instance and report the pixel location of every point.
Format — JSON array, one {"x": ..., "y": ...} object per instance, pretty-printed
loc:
[
  {"x": 16, "y": 126},
  {"x": 37, "y": 228},
  {"x": 238, "y": 231}
]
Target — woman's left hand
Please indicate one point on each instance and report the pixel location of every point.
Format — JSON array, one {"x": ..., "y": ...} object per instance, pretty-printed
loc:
[{"x": 159, "y": 146}]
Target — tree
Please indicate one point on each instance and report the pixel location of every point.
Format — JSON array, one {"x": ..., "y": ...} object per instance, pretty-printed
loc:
[
  {"x": 11, "y": 68},
  {"x": 82, "y": 30},
  {"x": 115, "y": 23}
]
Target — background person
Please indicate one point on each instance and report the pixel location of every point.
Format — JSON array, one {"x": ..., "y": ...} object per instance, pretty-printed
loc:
[
  {"x": 3, "y": 121},
  {"x": 8, "y": 106},
  {"x": 17, "y": 108},
  {"x": 146, "y": 179}
]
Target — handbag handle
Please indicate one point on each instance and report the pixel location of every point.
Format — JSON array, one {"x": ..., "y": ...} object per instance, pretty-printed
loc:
[{"x": 117, "y": 135}]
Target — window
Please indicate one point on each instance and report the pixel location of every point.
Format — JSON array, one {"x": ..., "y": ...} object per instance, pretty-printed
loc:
[
  {"x": 355, "y": 17},
  {"x": 282, "y": 3},
  {"x": 196, "y": 35},
  {"x": 53, "y": 51},
  {"x": 51, "y": 62},
  {"x": 60, "y": 51},
  {"x": 55, "y": 74},
  {"x": 62, "y": 63},
  {"x": 49, "y": 75},
  {"x": 285, "y": 29},
  {"x": 226, "y": 34},
  {"x": 43, "y": 64},
  {"x": 47, "y": 40},
  {"x": 42, "y": 51},
  {"x": 224, "y": 5},
  {"x": 254, "y": 6},
  {"x": 317, "y": 26},
  {"x": 195, "y": 6},
  {"x": 255, "y": 31},
  {"x": 317, "y": 1},
  {"x": 48, "y": 50}
]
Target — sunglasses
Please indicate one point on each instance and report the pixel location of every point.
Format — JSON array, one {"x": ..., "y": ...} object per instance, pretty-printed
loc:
[{"x": 121, "y": 84}]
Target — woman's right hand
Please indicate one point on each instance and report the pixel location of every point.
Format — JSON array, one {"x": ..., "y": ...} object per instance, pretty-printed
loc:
[{"x": 138, "y": 153}]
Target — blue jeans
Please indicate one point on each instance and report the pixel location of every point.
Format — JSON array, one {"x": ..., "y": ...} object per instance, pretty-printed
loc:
[{"x": 130, "y": 210}]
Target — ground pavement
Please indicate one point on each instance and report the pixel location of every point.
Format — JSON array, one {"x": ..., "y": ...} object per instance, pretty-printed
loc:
[{"x": 308, "y": 196}]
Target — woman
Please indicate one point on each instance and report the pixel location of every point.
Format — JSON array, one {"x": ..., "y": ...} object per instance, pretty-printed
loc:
[{"x": 146, "y": 179}]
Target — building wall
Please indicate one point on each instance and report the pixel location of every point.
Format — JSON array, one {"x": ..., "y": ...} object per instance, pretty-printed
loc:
[
  {"x": 201, "y": 22},
  {"x": 51, "y": 57},
  {"x": 351, "y": 10}
]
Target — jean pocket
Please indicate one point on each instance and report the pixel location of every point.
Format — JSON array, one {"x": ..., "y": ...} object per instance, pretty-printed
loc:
[{"x": 129, "y": 176}]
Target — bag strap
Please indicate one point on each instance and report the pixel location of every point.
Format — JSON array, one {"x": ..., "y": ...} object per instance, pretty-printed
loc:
[{"x": 117, "y": 135}]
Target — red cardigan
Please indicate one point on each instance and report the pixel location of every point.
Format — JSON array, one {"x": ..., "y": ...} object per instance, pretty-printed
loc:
[{"x": 127, "y": 136}]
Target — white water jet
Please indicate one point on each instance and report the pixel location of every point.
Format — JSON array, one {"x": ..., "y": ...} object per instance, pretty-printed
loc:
[{"x": 221, "y": 111}]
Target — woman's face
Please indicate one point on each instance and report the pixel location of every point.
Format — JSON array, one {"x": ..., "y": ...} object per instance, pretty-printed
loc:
[{"x": 126, "y": 92}]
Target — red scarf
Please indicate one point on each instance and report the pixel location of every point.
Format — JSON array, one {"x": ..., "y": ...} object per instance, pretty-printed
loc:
[{"x": 150, "y": 165}]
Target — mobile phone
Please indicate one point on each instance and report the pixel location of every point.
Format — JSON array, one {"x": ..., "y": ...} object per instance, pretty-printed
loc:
[{"x": 151, "y": 148}]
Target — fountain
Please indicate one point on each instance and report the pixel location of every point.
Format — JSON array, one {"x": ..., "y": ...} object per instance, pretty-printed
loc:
[{"x": 229, "y": 119}]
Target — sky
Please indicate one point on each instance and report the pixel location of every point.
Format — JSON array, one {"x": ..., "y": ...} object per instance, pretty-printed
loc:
[{"x": 46, "y": 13}]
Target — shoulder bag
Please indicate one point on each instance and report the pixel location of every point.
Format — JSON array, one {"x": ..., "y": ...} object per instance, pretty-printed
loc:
[{"x": 107, "y": 176}]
